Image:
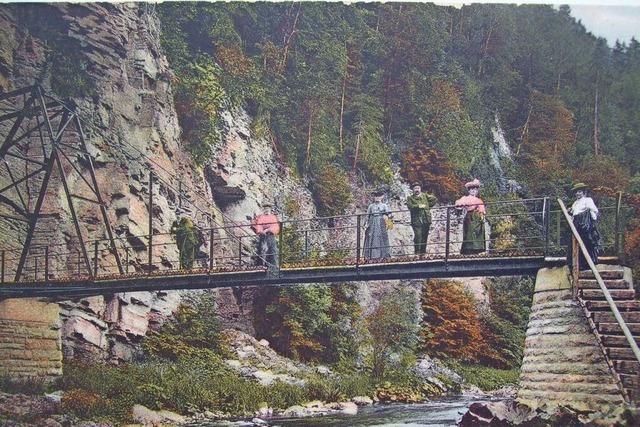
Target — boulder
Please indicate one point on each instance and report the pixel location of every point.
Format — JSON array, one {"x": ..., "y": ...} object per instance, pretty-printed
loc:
[
  {"x": 294, "y": 411},
  {"x": 148, "y": 417},
  {"x": 362, "y": 400}
]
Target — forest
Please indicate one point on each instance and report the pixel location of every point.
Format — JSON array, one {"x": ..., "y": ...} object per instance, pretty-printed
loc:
[{"x": 352, "y": 90}]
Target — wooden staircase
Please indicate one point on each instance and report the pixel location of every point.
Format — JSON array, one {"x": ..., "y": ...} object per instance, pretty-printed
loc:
[{"x": 614, "y": 345}]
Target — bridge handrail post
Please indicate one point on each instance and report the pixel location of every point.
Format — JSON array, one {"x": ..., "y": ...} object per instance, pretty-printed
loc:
[
  {"x": 358, "y": 226},
  {"x": 126, "y": 260},
  {"x": 95, "y": 257},
  {"x": 150, "y": 220},
  {"x": 2, "y": 267},
  {"x": 447, "y": 237},
  {"x": 545, "y": 224},
  {"x": 306, "y": 245},
  {"x": 618, "y": 232},
  {"x": 240, "y": 251},
  {"x": 280, "y": 245},
  {"x": 46, "y": 263},
  {"x": 211, "y": 248}
]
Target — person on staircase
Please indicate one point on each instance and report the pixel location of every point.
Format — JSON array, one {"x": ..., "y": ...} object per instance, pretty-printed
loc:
[
  {"x": 473, "y": 209},
  {"x": 189, "y": 239},
  {"x": 267, "y": 227},
  {"x": 419, "y": 205},
  {"x": 585, "y": 214}
]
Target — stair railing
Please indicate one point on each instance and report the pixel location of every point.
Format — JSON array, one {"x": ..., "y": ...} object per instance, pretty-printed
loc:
[{"x": 577, "y": 241}]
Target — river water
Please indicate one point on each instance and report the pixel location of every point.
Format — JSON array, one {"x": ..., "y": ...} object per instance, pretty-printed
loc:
[{"x": 441, "y": 412}]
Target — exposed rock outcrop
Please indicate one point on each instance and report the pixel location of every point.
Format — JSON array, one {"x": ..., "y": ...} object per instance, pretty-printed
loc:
[{"x": 129, "y": 118}]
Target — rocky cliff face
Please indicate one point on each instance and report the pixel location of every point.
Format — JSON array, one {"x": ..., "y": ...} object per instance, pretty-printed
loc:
[{"x": 129, "y": 118}]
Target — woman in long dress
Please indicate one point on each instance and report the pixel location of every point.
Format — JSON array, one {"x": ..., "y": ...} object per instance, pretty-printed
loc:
[
  {"x": 376, "y": 239},
  {"x": 473, "y": 241},
  {"x": 585, "y": 218}
]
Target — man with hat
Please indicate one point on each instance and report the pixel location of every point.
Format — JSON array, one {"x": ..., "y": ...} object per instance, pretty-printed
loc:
[
  {"x": 419, "y": 204},
  {"x": 585, "y": 215},
  {"x": 267, "y": 227}
]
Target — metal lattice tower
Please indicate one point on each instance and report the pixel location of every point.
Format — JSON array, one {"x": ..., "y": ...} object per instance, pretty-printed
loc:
[{"x": 42, "y": 148}]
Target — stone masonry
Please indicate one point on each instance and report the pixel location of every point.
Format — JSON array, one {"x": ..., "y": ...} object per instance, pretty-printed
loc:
[
  {"x": 30, "y": 342},
  {"x": 563, "y": 364}
]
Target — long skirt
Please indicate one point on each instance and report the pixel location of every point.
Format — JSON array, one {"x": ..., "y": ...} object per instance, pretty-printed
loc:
[
  {"x": 473, "y": 241},
  {"x": 376, "y": 239},
  {"x": 588, "y": 231}
]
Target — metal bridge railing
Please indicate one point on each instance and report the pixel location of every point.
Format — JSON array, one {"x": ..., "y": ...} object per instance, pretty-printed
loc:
[{"x": 513, "y": 228}]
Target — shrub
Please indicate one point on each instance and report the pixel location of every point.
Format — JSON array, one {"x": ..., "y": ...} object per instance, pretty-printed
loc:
[
  {"x": 332, "y": 190},
  {"x": 485, "y": 378},
  {"x": 199, "y": 98},
  {"x": 451, "y": 324},
  {"x": 195, "y": 326},
  {"x": 32, "y": 386},
  {"x": 393, "y": 327},
  {"x": 309, "y": 323},
  {"x": 84, "y": 404}
]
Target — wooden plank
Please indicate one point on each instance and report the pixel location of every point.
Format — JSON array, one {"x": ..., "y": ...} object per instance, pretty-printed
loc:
[
  {"x": 605, "y": 274},
  {"x": 604, "y": 306},
  {"x": 604, "y": 317},
  {"x": 620, "y": 353},
  {"x": 614, "y": 329},
  {"x": 611, "y": 284},
  {"x": 630, "y": 367},
  {"x": 617, "y": 294},
  {"x": 616, "y": 340}
]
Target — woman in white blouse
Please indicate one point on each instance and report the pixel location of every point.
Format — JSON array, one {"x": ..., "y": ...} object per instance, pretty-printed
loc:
[{"x": 585, "y": 217}]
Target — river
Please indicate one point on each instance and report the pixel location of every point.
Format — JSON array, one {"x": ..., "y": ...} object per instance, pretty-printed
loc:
[{"x": 440, "y": 412}]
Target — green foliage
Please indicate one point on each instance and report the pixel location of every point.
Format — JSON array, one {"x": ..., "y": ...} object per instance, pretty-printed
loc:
[
  {"x": 310, "y": 323},
  {"x": 485, "y": 378},
  {"x": 332, "y": 190},
  {"x": 197, "y": 382},
  {"x": 199, "y": 99},
  {"x": 393, "y": 328},
  {"x": 195, "y": 326},
  {"x": 32, "y": 386}
]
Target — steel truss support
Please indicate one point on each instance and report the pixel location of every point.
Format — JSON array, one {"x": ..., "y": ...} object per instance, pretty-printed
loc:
[{"x": 36, "y": 140}]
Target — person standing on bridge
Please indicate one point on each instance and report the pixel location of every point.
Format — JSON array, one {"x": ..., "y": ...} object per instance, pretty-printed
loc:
[
  {"x": 474, "y": 211},
  {"x": 188, "y": 239},
  {"x": 419, "y": 204},
  {"x": 585, "y": 218},
  {"x": 377, "y": 221},
  {"x": 267, "y": 227}
]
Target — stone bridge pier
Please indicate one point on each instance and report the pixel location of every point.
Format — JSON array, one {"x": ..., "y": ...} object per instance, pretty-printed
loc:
[
  {"x": 563, "y": 363},
  {"x": 30, "y": 343}
]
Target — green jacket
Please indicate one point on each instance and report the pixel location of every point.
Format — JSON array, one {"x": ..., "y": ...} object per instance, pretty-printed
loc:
[{"x": 419, "y": 208}]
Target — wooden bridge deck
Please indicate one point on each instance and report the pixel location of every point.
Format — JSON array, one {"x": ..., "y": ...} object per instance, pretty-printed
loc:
[{"x": 257, "y": 276}]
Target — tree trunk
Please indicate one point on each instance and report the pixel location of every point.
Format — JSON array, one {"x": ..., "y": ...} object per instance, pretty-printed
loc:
[
  {"x": 525, "y": 129},
  {"x": 308, "y": 159},
  {"x": 344, "y": 89},
  {"x": 287, "y": 40},
  {"x": 355, "y": 157},
  {"x": 596, "y": 141}
]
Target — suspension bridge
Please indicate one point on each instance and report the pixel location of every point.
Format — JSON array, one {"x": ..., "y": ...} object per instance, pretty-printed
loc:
[{"x": 44, "y": 147}]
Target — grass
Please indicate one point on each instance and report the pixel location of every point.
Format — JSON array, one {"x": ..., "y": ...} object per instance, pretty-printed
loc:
[
  {"x": 485, "y": 378},
  {"x": 30, "y": 386}
]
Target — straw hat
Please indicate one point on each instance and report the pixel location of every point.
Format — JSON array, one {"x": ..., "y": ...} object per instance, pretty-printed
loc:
[
  {"x": 579, "y": 186},
  {"x": 473, "y": 184}
]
